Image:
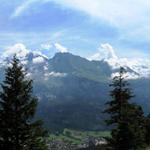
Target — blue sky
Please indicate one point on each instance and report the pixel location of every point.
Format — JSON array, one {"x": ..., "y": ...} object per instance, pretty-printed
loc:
[{"x": 80, "y": 25}]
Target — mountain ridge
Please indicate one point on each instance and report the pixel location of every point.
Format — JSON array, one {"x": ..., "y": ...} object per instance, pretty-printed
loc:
[
  {"x": 72, "y": 90},
  {"x": 135, "y": 68}
]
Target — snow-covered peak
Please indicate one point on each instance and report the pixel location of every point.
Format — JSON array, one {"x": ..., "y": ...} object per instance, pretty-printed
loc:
[
  {"x": 60, "y": 48},
  {"x": 19, "y": 49},
  {"x": 55, "y": 47},
  {"x": 25, "y": 55},
  {"x": 136, "y": 68},
  {"x": 105, "y": 52},
  {"x": 140, "y": 67}
]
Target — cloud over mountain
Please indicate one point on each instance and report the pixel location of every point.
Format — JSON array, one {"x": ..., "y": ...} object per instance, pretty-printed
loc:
[
  {"x": 60, "y": 48},
  {"x": 19, "y": 49},
  {"x": 106, "y": 53}
]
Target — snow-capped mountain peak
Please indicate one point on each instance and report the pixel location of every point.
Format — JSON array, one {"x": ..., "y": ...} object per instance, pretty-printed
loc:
[
  {"x": 23, "y": 54},
  {"x": 140, "y": 67},
  {"x": 137, "y": 68},
  {"x": 19, "y": 49}
]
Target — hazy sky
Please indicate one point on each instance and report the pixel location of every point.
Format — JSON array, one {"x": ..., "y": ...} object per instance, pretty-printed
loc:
[{"x": 80, "y": 25}]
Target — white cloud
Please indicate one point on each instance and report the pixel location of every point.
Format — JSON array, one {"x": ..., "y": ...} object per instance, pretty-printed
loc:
[
  {"x": 39, "y": 54},
  {"x": 38, "y": 60},
  {"x": 45, "y": 68},
  {"x": 46, "y": 46},
  {"x": 106, "y": 51},
  {"x": 19, "y": 49},
  {"x": 24, "y": 62},
  {"x": 139, "y": 65},
  {"x": 22, "y": 8},
  {"x": 60, "y": 48},
  {"x": 128, "y": 75},
  {"x": 55, "y": 74},
  {"x": 96, "y": 56},
  {"x": 131, "y": 17},
  {"x": 22, "y": 52},
  {"x": 114, "y": 11}
]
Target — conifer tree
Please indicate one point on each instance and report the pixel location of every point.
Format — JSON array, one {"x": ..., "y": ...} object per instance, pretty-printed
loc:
[
  {"x": 147, "y": 127},
  {"x": 126, "y": 118},
  {"x": 18, "y": 131}
]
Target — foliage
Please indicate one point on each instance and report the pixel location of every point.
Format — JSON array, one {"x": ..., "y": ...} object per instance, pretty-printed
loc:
[
  {"x": 148, "y": 148},
  {"x": 127, "y": 118},
  {"x": 147, "y": 127},
  {"x": 18, "y": 131}
]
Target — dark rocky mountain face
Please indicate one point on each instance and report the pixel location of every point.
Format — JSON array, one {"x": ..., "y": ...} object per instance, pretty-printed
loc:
[{"x": 72, "y": 90}]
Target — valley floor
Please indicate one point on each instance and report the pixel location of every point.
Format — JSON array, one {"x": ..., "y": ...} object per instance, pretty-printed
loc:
[{"x": 71, "y": 139}]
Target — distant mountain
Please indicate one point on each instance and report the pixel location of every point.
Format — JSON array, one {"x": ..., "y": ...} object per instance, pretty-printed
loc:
[{"x": 72, "y": 90}]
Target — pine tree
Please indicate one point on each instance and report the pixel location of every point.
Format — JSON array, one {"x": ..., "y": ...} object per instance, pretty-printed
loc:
[
  {"x": 147, "y": 127},
  {"x": 17, "y": 108},
  {"x": 126, "y": 118}
]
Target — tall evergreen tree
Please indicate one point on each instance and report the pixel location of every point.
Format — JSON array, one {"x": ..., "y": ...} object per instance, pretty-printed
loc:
[
  {"x": 126, "y": 118},
  {"x": 18, "y": 131},
  {"x": 147, "y": 127}
]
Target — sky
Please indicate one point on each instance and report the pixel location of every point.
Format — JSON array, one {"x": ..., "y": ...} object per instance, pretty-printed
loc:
[{"x": 81, "y": 27}]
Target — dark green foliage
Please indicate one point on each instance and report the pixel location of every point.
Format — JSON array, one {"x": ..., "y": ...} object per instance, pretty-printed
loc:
[
  {"x": 127, "y": 118},
  {"x": 137, "y": 125},
  {"x": 17, "y": 108},
  {"x": 147, "y": 127}
]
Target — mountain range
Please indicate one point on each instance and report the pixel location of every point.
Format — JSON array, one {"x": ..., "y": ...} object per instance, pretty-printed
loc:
[{"x": 72, "y": 90}]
